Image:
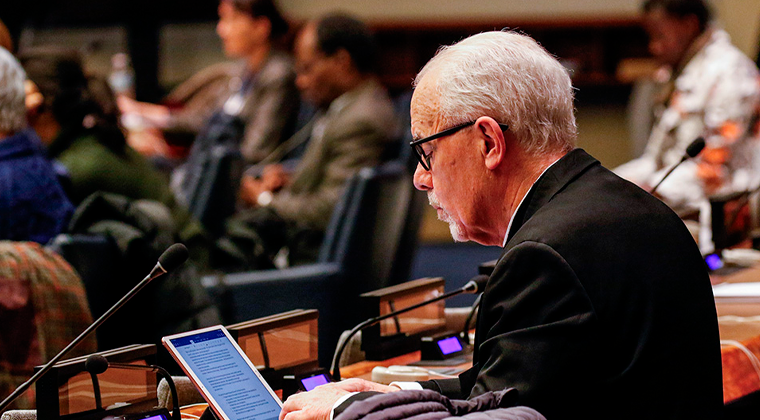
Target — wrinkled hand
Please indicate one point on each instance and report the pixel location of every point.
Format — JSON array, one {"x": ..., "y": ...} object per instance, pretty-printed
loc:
[
  {"x": 274, "y": 177},
  {"x": 317, "y": 404}
]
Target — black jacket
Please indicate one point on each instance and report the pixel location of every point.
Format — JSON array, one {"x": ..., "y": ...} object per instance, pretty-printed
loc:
[{"x": 599, "y": 307}]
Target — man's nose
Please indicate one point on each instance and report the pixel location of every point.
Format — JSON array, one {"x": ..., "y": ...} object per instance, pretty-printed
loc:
[{"x": 423, "y": 181}]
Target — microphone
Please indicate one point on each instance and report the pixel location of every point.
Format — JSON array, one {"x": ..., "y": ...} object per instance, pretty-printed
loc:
[
  {"x": 97, "y": 364},
  {"x": 476, "y": 285},
  {"x": 466, "y": 329},
  {"x": 172, "y": 258},
  {"x": 692, "y": 150}
]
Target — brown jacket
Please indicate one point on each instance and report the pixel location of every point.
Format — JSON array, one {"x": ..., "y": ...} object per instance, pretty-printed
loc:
[{"x": 353, "y": 133}]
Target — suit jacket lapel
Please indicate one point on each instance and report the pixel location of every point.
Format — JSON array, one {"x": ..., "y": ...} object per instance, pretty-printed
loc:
[{"x": 568, "y": 168}]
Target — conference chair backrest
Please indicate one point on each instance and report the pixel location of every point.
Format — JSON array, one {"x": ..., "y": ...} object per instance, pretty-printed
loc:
[
  {"x": 213, "y": 194},
  {"x": 402, "y": 103},
  {"x": 374, "y": 227},
  {"x": 94, "y": 258}
]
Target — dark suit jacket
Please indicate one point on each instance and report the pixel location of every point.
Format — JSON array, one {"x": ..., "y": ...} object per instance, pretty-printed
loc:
[{"x": 600, "y": 306}]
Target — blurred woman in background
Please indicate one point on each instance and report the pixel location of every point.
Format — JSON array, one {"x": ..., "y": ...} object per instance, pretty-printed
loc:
[
  {"x": 77, "y": 119},
  {"x": 259, "y": 88}
]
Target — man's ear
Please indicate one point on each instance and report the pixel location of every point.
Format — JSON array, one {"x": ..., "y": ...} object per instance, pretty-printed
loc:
[
  {"x": 264, "y": 27},
  {"x": 343, "y": 58},
  {"x": 692, "y": 24},
  {"x": 492, "y": 143}
]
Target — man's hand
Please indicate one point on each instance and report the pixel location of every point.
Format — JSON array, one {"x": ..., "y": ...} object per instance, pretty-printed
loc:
[{"x": 317, "y": 404}]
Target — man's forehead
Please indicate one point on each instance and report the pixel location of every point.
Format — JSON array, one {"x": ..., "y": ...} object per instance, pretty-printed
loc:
[
  {"x": 424, "y": 106},
  {"x": 306, "y": 41}
]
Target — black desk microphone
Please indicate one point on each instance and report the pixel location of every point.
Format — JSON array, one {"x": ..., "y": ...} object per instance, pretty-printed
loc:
[
  {"x": 476, "y": 285},
  {"x": 172, "y": 258},
  {"x": 692, "y": 150},
  {"x": 97, "y": 364}
]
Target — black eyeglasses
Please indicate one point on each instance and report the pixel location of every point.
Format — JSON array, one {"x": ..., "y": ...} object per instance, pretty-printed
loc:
[{"x": 424, "y": 158}]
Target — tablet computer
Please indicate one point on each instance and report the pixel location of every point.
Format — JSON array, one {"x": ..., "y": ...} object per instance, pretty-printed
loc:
[{"x": 223, "y": 374}]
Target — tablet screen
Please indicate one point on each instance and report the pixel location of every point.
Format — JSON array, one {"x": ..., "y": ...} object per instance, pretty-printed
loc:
[{"x": 227, "y": 376}]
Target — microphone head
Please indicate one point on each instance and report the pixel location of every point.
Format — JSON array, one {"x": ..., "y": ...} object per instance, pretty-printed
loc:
[
  {"x": 173, "y": 257},
  {"x": 695, "y": 147},
  {"x": 481, "y": 280},
  {"x": 477, "y": 284},
  {"x": 96, "y": 364}
]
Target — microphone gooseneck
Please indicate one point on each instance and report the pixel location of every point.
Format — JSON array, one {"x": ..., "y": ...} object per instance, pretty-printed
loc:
[
  {"x": 173, "y": 257},
  {"x": 692, "y": 150},
  {"x": 476, "y": 285},
  {"x": 96, "y": 364},
  {"x": 468, "y": 321}
]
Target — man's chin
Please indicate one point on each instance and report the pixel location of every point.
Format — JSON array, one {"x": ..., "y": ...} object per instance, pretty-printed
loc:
[{"x": 456, "y": 233}]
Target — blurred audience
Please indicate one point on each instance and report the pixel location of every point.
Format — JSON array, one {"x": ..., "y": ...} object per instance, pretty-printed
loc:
[
  {"x": 75, "y": 118},
  {"x": 353, "y": 127},
  {"x": 708, "y": 88},
  {"x": 259, "y": 88},
  {"x": 33, "y": 205}
]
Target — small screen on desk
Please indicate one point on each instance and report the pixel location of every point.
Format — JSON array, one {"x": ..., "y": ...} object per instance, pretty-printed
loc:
[
  {"x": 450, "y": 345},
  {"x": 314, "y": 381},
  {"x": 713, "y": 262}
]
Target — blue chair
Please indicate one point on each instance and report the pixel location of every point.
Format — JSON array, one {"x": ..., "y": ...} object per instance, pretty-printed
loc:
[
  {"x": 94, "y": 258},
  {"x": 363, "y": 250},
  {"x": 171, "y": 304},
  {"x": 211, "y": 192}
]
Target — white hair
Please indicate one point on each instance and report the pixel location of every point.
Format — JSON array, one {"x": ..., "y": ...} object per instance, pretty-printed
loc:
[
  {"x": 12, "y": 95},
  {"x": 510, "y": 78}
]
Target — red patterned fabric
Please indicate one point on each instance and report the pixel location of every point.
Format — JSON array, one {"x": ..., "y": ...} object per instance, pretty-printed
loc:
[{"x": 43, "y": 306}]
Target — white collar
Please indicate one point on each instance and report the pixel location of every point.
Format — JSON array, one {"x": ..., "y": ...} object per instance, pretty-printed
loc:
[{"x": 512, "y": 219}]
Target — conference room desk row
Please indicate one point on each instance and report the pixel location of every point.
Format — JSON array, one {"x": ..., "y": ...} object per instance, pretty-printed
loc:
[{"x": 739, "y": 324}]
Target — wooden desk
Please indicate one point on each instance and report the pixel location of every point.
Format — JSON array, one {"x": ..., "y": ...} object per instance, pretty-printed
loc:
[
  {"x": 744, "y": 307},
  {"x": 364, "y": 368},
  {"x": 745, "y": 275}
]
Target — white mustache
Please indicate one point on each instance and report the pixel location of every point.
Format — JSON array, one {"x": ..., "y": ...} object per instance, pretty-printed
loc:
[{"x": 433, "y": 200}]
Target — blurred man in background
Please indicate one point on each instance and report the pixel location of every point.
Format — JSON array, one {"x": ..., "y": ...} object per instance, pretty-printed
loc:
[{"x": 354, "y": 125}]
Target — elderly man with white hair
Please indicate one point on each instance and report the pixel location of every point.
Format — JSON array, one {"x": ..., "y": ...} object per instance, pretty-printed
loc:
[
  {"x": 33, "y": 206},
  {"x": 600, "y": 305}
]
